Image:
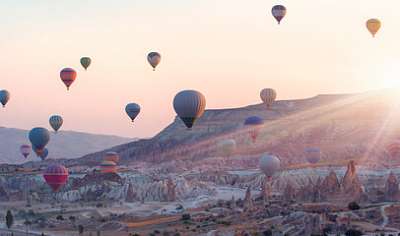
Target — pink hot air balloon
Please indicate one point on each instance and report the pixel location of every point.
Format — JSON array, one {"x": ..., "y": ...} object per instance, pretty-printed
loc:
[
  {"x": 56, "y": 176},
  {"x": 25, "y": 150},
  {"x": 68, "y": 76},
  {"x": 112, "y": 156}
]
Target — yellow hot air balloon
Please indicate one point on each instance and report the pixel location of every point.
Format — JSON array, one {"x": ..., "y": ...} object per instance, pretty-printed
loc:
[{"x": 373, "y": 25}]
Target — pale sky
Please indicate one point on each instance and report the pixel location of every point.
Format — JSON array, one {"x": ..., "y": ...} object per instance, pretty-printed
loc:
[{"x": 227, "y": 49}]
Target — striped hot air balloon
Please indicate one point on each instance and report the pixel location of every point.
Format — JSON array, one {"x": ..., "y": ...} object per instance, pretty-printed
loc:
[
  {"x": 56, "y": 176},
  {"x": 39, "y": 138},
  {"x": 189, "y": 105},
  {"x": 154, "y": 59},
  {"x": 56, "y": 122},
  {"x": 68, "y": 76},
  {"x": 268, "y": 96},
  {"x": 112, "y": 156},
  {"x": 254, "y": 123},
  {"x": 108, "y": 167},
  {"x": 278, "y": 12}
]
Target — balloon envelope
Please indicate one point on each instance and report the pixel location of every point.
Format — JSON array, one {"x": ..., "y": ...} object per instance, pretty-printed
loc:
[
  {"x": 189, "y": 105},
  {"x": 393, "y": 149},
  {"x": 133, "y": 110},
  {"x": 278, "y": 11},
  {"x": 4, "y": 97},
  {"x": 269, "y": 164},
  {"x": 56, "y": 176},
  {"x": 154, "y": 59},
  {"x": 373, "y": 26},
  {"x": 227, "y": 147},
  {"x": 108, "y": 167},
  {"x": 56, "y": 122},
  {"x": 112, "y": 156},
  {"x": 39, "y": 137},
  {"x": 68, "y": 76},
  {"x": 255, "y": 123},
  {"x": 25, "y": 150},
  {"x": 268, "y": 96},
  {"x": 43, "y": 155},
  {"x": 85, "y": 62},
  {"x": 313, "y": 155}
]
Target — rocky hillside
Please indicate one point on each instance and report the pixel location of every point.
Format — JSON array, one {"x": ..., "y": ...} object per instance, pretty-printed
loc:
[
  {"x": 343, "y": 126},
  {"x": 65, "y": 144}
]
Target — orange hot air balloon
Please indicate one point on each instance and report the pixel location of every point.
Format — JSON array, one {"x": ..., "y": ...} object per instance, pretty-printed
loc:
[
  {"x": 56, "y": 176},
  {"x": 373, "y": 25},
  {"x": 68, "y": 76}
]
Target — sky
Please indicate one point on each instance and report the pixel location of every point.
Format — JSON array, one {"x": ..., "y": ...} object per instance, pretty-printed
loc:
[{"x": 226, "y": 49}]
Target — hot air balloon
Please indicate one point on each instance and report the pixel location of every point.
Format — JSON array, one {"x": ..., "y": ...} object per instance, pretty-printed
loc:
[
  {"x": 393, "y": 149},
  {"x": 108, "y": 167},
  {"x": 68, "y": 76},
  {"x": 56, "y": 122},
  {"x": 226, "y": 147},
  {"x": 112, "y": 156},
  {"x": 42, "y": 153},
  {"x": 278, "y": 11},
  {"x": 85, "y": 62},
  {"x": 373, "y": 25},
  {"x": 56, "y": 176},
  {"x": 313, "y": 155},
  {"x": 255, "y": 123},
  {"x": 4, "y": 97},
  {"x": 133, "y": 110},
  {"x": 189, "y": 105},
  {"x": 268, "y": 96},
  {"x": 269, "y": 164},
  {"x": 25, "y": 150},
  {"x": 39, "y": 138},
  {"x": 154, "y": 59}
]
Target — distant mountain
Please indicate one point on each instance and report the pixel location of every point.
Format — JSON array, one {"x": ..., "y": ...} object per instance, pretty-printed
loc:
[
  {"x": 344, "y": 127},
  {"x": 64, "y": 144}
]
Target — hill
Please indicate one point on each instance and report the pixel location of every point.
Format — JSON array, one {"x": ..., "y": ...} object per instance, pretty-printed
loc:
[{"x": 64, "y": 144}]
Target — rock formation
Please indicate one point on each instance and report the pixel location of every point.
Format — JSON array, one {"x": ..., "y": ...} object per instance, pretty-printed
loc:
[
  {"x": 131, "y": 194},
  {"x": 392, "y": 192},
  {"x": 171, "y": 194},
  {"x": 351, "y": 184},
  {"x": 248, "y": 201}
]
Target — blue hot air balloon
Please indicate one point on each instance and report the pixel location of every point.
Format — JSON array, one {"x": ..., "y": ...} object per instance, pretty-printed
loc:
[
  {"x": 255, "y": 122},
  {"x": 133, "y": 110},
  {"x": 189, "y": 105},
  {"x": 39, "y": 138},
  {"x": 4, "y": 97}
]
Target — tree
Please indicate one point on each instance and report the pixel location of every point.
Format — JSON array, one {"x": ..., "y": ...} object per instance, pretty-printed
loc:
[
  {"x": 80, "y": 229},
  {"x": 9, "y": 219}
]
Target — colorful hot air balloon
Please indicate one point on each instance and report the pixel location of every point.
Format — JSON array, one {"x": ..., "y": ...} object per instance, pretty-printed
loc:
[
  {"x": 108, "y": 167},
  {"x": 154, "y": 59},
  {"x": 255, "y": 123},
  {"x": 268, "y": 96},
  {"x": 39, "y": 138},
  {"x": 68, "y": 76},
  {"x": 313, "y": 155},
  {"x": 56, "y": 122},
  {"x": 56, "y": 176},
  {"x": 4, "y": 97},
  {"x": 189, "y": 105},
  {"x": 112, "y": 156},
  {"x": 373, "y": 26},
  {"x": 85, "y": 62},
  {"x": 25, "y": 150},
  {"x": 226, "y": 147},
  {"x": 269, "y": 164},
  {"x": 133, "y": 110},
  {"x": 278, "y": 11}
]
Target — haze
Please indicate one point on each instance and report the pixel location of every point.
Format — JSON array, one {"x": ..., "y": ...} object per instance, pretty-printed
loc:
[{"x": 227, "y": 49}]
